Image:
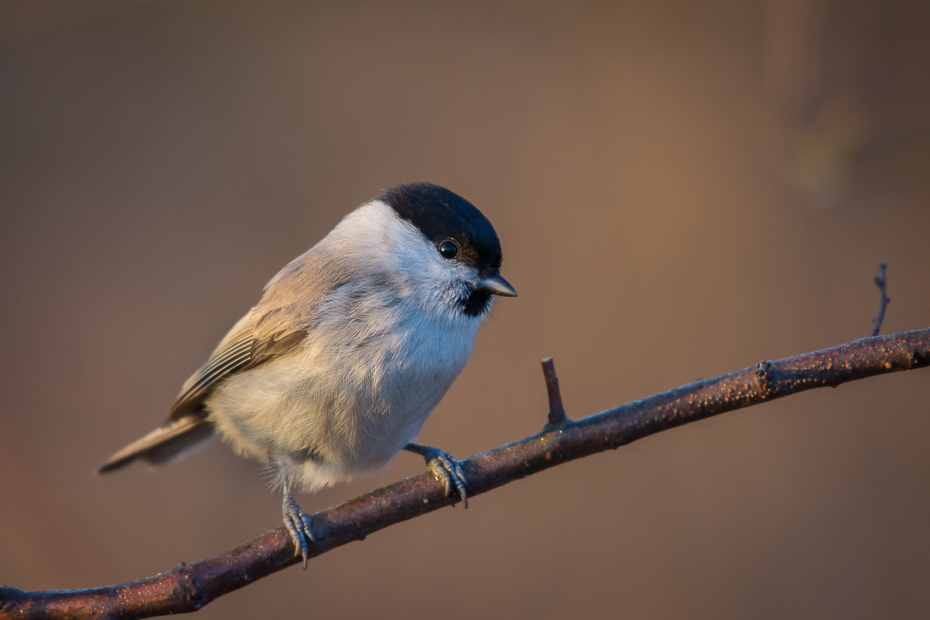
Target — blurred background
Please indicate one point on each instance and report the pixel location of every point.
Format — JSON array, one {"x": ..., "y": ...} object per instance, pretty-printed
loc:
[{"x": 681, "y": 189}]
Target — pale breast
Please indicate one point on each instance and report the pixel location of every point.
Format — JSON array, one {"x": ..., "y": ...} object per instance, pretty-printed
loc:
[{"x": 349, "y": 397}]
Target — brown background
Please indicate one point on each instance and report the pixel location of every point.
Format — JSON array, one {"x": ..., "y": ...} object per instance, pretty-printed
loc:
[{"x": 681, "y": 188}]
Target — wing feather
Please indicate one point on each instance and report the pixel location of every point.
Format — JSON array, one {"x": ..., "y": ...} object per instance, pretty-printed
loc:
[
  {"x": 223, "y": 362},
  {"x": 280, "y": 321},
  {"x": 237, "y": 356}
]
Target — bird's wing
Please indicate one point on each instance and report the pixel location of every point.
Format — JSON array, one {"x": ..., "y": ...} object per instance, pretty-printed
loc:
[
  {"x": 236, "y": 356},
  {"x": 282, "y": 319}
]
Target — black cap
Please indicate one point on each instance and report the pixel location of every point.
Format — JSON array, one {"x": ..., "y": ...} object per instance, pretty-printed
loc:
[{"x": 440, "y": 214}]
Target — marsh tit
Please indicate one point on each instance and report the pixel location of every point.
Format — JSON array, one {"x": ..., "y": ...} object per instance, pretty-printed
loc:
[{"x": 351, "y": 347}]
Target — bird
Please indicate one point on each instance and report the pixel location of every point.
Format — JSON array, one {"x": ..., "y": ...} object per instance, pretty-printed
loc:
[{"x": 350, "y": 348}]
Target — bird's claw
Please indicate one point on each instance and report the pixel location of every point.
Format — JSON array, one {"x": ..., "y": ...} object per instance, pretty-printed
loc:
[
  {"x": 297, "y": 523},
  {"x": 448, "y": 471}
]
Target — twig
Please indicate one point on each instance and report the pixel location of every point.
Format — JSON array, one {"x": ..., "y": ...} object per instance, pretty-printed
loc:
[
  {"x": 881, "y": 282},
  {"x": 556, "y": 410},
  {"x": 190, "y": 587}
]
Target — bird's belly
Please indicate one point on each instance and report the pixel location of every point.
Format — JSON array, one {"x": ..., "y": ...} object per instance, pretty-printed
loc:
[{"x": 326, "y": 414}]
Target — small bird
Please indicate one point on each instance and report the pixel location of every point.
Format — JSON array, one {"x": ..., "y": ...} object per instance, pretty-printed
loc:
[{"x": 351, "y": 347}]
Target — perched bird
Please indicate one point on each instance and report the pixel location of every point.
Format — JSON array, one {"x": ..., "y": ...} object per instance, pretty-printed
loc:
[{"x": 351, "y": 347}]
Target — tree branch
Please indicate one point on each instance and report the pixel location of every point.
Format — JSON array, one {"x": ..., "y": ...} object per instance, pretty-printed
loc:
[
  {"x": 882, "y": 283},
  {"x": 556, "y": 409},
  {"x": 190, "y": 587}
]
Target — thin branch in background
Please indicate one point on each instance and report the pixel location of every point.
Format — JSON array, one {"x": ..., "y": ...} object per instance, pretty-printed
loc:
[
  {"x": 556, "y": 409},
  {"x": 881, "y": 282},
  {"x": 187, "y": 588}
]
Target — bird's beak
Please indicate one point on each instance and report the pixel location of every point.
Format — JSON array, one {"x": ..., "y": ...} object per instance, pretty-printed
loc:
[{"x": 497, "y": 285}]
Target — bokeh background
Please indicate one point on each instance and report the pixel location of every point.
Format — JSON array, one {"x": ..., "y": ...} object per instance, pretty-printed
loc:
[{"x": 682, "y": 189}]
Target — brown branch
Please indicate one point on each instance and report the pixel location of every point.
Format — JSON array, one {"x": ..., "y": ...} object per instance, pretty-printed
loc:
[
  {"x": 881, "y": 282},
  {"x": 556, "y": 410},
  {"x": 190, "y": 587}
]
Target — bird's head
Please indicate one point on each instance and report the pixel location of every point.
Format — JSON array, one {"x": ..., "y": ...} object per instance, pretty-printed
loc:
[{"x": 452, "y": 249}]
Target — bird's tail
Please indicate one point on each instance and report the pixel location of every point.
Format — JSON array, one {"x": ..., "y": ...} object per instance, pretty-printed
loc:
[{"x": 164, "y": 443}]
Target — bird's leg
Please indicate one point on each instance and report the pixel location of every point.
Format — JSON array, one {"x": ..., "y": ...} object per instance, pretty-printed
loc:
[
  {"x": 297, "y": 524},
  {"x": 443, "y": 467}
]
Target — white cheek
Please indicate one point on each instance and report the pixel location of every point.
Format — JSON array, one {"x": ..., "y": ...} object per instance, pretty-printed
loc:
[{"x": 438, "y": 282}]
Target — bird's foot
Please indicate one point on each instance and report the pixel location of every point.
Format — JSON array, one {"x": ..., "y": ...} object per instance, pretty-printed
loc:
[
  {"x": 442, "y": 466},
  {"x": 297, "y": 524}
]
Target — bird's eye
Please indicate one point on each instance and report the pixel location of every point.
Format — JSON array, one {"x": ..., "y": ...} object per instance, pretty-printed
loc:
[{"x": 449, "y": 249}]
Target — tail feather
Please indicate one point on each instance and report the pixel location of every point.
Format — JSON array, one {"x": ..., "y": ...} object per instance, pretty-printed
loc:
[{"x": 162, "y": 444}]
